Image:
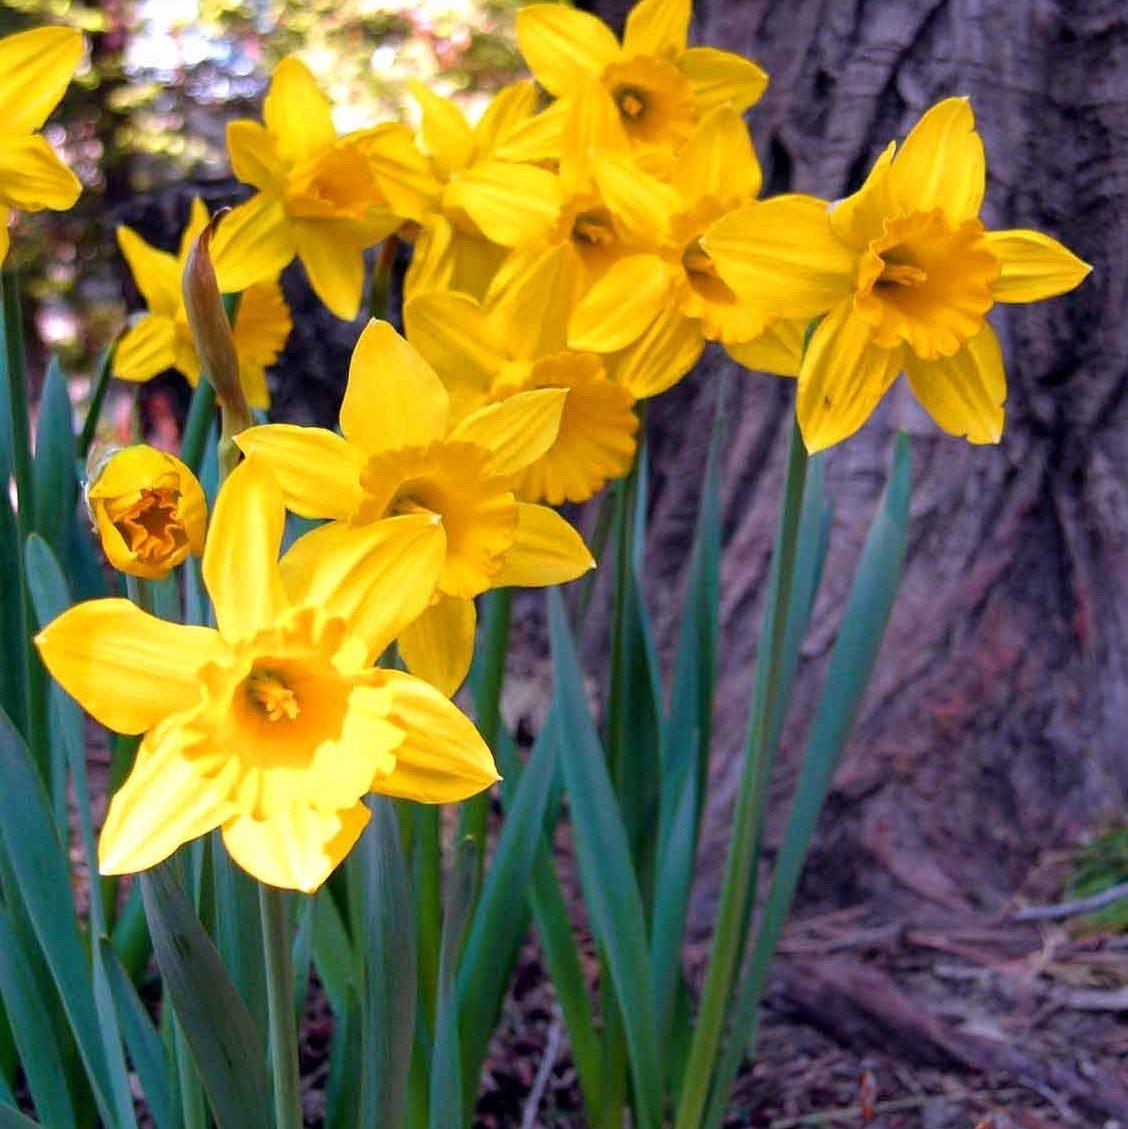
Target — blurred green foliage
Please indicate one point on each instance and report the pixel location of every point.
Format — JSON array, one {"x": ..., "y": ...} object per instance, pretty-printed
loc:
[{"x": 1099, "y": 865}]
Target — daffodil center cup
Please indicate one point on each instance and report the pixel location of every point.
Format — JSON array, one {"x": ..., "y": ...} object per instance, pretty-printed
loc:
[
  {"x": 926, "y": 283},
  {"x": 654, "y": 99},
  {"x": 337, "y": 183},
  {"x": 631, "y": 102},
  {"x": 150, "y": 526},
  {"x": 450, "y": 479}
]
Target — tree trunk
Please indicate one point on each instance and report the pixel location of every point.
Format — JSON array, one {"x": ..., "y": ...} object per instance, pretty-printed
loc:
[{"x": 994, "y": 726}]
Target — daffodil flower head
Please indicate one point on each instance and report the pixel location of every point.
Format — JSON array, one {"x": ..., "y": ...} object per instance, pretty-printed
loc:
[
  {"x": 399, "y": 456},
  {"x": 321, "y": 197},
  {"x": 36, "y": 67},
  {"x": 274, "y": 725},
  {"x": 515, "y": 343},
  {"x": 903, "y": 274},
  {"x": 162, "y": 338},
  {"x": 148, "y": 508},
  {"x": 660, "y": 87},
  {"x": 486, "y": 203}
]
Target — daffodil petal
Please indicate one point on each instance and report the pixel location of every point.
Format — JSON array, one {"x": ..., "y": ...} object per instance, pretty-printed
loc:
[
  {"x": 297, "y": 112},
  {"x": 156, "y": 273},
  {"x": 718, "y": 160},
  {"x": 333, "y": 265},
  {"x": 298, "y": 847},
  {"x": 444, "y": 129},
  {"x": 592, "y": 124},
  {"x": 547, "y": 550},
  {"x": 512, "y": 205},
  {"x": 778, "y": 350},
  {"x": 36, "y": 68},
  {"x": 530, "y": 303},
  {"x": 721, "y": 78},
  {"x": 125, "y": 667},
  {"x": 319, "y": 472},
  {"x": 146, "y": 349},
  {"x": 393, "y": 398},
  {"x": 433, "y": 259},
  {"x": 536, "y": 139},
  {"x": 641, "y": 204},
  {"x": 941, "y": 164},
  {"x": 508, "y": 111},
  {"x": 254, "y": 155},
  {"x": 843, "y": 378},
  {"x": 241, "y": 556},
  {"x": 454, "y": 336},
  {"x": 517, "y": 430},
  {"x": 782, "y": 256},
  {"x": 564, "y": 46},
  {"x": 1034, "y": 266},
  {"x": 657, "y": 27},
  {"x": 164, "y": 803},
  {"x": 443, "y": 758},
  {"x": 252, "y": 243},
  {"x": 964, "y": 393},
  {"x": 660, "y": 357},
  {"x": 33, "y": 177},
  {"x": 621, "y": 306},
  {"x": 350, "y": 571},
  {"x": 438, "y": 645},
  {"x": 860, "y": 217}
]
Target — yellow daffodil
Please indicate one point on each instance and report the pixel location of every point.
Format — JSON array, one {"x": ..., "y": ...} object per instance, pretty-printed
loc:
[
  {"x": 716, "y": 172},
  {"x": 273, "y": 726},
  {"x": 486, "y": 205},
  {"x": 149, "y": 510},
  {"x": 660, "y": 87},
  {"x": 610, "y": 233},
  {"x": 35, "y": 68},
  {"x": 486, "y": 353},
  {"x": 400, "y": 453},
  {"x": 321, "y": 197},
  {"x": 162, "y": 339},
  {"x": 905, "y": 274}
]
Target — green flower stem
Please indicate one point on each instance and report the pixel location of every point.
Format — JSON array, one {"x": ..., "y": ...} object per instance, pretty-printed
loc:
[
  {"x": 19, "y": 438},
  {"x": 380, "y": 293},
  {"x": 97, "y": 399},
  {"x": 740, "y": 865},
  {"x": 201, "y": 412},
  {"x": 497, "y": 608},
  {"x": 33, "y": 722},
  {"x": 280, "y": 1007}
]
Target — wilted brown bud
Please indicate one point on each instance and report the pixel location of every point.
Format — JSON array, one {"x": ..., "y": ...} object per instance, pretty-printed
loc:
[{"x": 215, "y": 343}]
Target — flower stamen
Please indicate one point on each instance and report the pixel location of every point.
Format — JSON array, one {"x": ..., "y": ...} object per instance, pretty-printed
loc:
[
  {"x": 631, "y": 102},
  {"x": 269, "y": 694}
]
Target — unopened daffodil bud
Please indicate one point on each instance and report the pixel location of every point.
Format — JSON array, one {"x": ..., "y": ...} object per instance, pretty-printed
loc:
[
  {"x": 148, "y": 507},
  {"x": 215, "y": 344}
]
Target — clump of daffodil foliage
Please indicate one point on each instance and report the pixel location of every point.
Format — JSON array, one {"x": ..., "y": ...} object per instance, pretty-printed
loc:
[{"x": 297, "y": 637}]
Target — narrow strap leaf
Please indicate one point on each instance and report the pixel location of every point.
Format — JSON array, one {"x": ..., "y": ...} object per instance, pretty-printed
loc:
[
  {"x": 851, "y": 664},
  {"x": 446, "y": 1063},
  {"x": 225, "y": 1044},
  {"x": 603, "y": 851}
]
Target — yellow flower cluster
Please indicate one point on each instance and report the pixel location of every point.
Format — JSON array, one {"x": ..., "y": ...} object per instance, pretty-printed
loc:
[{"x": 572, "y": 255}]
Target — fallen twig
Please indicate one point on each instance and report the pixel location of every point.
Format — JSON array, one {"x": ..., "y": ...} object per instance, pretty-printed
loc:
[
  {"x": 544, "y": 1072},
  {"x": 1062, "y": 910}
]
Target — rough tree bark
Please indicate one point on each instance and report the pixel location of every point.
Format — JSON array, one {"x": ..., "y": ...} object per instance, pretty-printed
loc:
[{"x": 995, "y": 723}]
